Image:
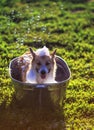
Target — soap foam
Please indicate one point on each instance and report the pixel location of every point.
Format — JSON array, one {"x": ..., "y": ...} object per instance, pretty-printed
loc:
[{"x": 43, "y": 51}]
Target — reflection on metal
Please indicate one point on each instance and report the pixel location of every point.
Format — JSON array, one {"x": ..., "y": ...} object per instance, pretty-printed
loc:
[{"x": 43, "y": 95}]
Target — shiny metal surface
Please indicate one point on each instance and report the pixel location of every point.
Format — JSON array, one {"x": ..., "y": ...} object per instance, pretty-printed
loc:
[{"x": 43, "y": 95}]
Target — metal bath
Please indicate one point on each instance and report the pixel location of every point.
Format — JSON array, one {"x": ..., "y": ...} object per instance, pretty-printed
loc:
[{"x": 50, "y": 95}]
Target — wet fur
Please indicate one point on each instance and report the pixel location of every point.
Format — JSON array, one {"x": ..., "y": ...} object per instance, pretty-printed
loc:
[
  {"x": 39, "y": 60},
  {"x": 28, "y": 66},
  {"x": 35, "y": 77}
]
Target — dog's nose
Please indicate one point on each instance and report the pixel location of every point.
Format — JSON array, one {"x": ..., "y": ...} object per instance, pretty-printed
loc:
[{"x": 43, "y": 72}]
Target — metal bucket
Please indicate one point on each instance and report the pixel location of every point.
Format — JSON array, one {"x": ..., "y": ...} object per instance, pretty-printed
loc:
[{"x": 47, "y": 96}]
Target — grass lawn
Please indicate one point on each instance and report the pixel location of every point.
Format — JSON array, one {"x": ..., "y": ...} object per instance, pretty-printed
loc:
[{"x": 67, "y": 26}]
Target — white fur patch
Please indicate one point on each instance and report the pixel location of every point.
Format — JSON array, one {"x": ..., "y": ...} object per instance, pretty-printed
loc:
[
  {"x": 43, "y": 51},
  {"x": 31, "y": 77}
]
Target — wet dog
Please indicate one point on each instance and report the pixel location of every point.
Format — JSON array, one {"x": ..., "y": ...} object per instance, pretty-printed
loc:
[{"x": 42, "y": 68}]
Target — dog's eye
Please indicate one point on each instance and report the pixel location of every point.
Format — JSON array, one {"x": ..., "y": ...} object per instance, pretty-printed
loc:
[
  {"x": 47, "y": 63},
  {"x": 38, "y": 63}
]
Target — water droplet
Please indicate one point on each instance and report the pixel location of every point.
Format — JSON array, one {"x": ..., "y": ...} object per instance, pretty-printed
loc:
[
  {"x": 39, "y": 40},
  {"x": 32, "y": 18},
  {"x": 43, "y": 29},
  {"x": 27, "y": 7},
  {"x": 28, "y": 30},
  {"x": 62, "y": 7},
  {"x": 15, "y": 31},
  {"x": 12, "y": 12},
  {"x": 8, "y": 24},
  {"x": 38, "y": 17},
  {"x": 49, "y": 34},
  {"x": 44, "y": 10},
  {"x": 18, "y": 45},
  {"x": 22, "y": 41},
  {"x": 34, "y": 39},
  {"x": 34, "y": 26}
]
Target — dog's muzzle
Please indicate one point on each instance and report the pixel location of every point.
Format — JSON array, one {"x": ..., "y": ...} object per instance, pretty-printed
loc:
[
  {"x": 43, "y": 74},
  {"x": 43, "y": 71}
]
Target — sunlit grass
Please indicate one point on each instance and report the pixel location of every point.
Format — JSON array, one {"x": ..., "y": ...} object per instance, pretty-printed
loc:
[{"x": 65, "y": 26}]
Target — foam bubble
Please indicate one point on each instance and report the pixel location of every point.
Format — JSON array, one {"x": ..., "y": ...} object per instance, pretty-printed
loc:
[{"x": 43, "y": 51}]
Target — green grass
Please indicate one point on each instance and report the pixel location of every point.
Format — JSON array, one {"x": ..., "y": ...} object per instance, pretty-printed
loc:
[{"x": 63, "y": 25}]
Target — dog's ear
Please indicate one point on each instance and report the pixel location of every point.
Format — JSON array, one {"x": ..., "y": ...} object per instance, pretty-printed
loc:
[
  {"x": 53, "y": 53},
  {"x": 32, "y": 52}
]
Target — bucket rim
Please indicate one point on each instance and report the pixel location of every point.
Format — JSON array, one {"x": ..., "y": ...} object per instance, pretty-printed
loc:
[{"x": 36, "y": 84}]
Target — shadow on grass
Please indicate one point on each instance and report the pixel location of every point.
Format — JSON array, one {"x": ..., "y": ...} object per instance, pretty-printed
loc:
[{"x": 30, "y": 113}]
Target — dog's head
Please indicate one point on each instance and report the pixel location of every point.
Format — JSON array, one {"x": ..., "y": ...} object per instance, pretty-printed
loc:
[{"x": 43, "y": 62}]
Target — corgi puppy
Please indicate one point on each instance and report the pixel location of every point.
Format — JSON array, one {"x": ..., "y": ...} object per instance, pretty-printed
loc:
[{"x": 42, "y": 68}]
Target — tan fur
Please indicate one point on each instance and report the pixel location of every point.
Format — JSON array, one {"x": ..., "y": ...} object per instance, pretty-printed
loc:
[
  {"x": 44, "y": 60},
  {"x": 31, "y": 62},
  {"x": 23, "y": 65}
]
